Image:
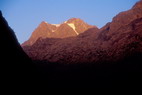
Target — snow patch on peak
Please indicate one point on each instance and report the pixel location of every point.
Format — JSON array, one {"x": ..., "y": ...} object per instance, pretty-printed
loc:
[
  {"x": 45, "y": 22},
  {"x": 73, "y": 27},
  {"x": 65, "y": 22},
  {"x": 57, "y": 25}
]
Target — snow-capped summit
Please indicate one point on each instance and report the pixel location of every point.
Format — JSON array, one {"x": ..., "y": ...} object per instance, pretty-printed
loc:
[
  {"x": 73, "y": 27},
  {"x": 57, "y": 25},
  {"x": 69, "y": 28}
]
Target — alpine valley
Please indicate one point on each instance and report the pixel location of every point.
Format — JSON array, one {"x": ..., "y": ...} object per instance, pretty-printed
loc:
[{"x": 74, "y": 54}]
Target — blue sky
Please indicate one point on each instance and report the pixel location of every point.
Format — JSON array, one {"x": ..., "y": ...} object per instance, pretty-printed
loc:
[{"x": 25, "y": 15}]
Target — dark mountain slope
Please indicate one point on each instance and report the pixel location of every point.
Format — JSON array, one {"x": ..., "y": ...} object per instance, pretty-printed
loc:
[{"x": 17, "y": 67}]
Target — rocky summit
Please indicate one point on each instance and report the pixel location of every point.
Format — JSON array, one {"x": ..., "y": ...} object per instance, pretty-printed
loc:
[{"x": 70, "y": 28}]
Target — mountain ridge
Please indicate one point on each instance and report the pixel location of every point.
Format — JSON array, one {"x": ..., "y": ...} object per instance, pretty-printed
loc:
[
  {"x": 70, "y": 28},
  {"x": 113, "y": 42}
]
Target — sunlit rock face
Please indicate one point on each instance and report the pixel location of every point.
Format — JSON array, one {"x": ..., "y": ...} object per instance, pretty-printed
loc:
[{"x": 70, "y": 28}]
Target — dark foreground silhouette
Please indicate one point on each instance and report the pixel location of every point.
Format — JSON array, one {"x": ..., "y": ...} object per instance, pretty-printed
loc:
[
  {"x": 18, "y": 69},
  {"x": 16, "y": 66}
]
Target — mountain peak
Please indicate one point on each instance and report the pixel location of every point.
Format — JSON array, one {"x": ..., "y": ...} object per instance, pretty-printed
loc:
[
  {"x": 74, "y": 20},
  {"x": 44, "y": 23},
  {"x": 69, "y": 28}
]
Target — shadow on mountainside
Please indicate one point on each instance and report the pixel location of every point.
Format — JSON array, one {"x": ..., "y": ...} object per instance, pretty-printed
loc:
[{"x": 125, "y": 73}]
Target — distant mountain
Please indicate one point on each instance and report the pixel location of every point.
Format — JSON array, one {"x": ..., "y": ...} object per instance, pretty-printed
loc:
[
  {"x": 114, "y": 42},
  {"x": 70, "y": 28}
]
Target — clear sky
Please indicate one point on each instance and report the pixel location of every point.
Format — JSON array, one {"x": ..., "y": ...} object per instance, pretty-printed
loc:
[{"x": 25, "y": 15}]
